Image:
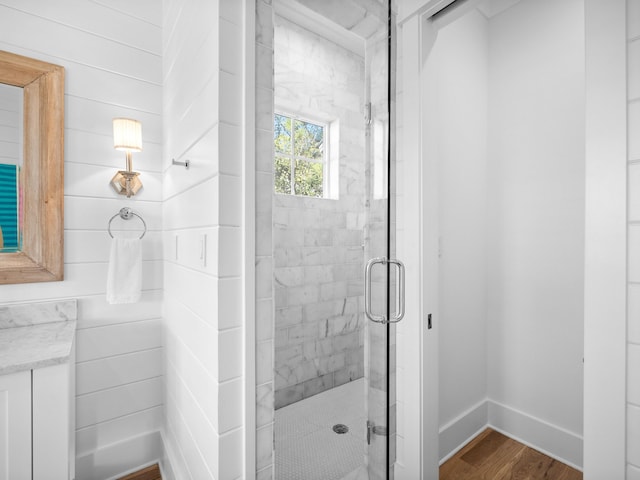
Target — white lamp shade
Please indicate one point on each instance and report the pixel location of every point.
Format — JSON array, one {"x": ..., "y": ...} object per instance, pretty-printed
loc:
[{"x": 127, "y": 134}]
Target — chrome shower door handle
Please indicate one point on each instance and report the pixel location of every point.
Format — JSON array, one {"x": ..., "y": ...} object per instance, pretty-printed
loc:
[
  {"x": 367, "y": 291},
  {"x": 400, "y": 313}
]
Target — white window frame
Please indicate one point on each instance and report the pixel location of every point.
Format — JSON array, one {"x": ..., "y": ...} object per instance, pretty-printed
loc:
[{"x": 326, "y": 167}]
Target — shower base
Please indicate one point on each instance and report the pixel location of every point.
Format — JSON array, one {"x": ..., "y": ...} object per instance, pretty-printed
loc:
[{"x": 307, "y": 446}]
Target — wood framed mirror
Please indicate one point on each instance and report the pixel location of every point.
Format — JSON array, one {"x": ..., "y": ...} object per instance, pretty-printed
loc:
[{"x": 39, "y": 255}]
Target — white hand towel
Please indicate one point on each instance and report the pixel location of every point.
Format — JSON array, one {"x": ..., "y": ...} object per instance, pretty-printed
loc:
[{"x": 124, "y": 279}]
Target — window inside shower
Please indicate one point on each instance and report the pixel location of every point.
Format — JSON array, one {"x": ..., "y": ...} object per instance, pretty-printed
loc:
[{"x": 300, "y": 164}]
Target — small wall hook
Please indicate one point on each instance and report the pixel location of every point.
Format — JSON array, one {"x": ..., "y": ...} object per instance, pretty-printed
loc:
[{"x": 184, "y": 164}]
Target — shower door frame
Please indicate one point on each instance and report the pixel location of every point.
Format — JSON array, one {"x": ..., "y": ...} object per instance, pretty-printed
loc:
[{"x": 258, "y": 265}]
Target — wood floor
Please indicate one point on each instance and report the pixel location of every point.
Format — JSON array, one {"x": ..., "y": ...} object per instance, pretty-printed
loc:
[
  {"x": 489, "y": 456},
  {"x": 493, "y": 456},
  {"x": 149, "y": 473}
]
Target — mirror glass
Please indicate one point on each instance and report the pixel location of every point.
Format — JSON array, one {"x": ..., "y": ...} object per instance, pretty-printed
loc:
[
  {"x": 32, "y": 159},
  {"x": 11, "y": 149}
]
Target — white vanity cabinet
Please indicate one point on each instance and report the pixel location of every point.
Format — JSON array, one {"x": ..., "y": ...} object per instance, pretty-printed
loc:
[
  {"x": 36, "y": 424},
  {"x": 15, "y": 426},
  {"x": 37, "y": 391}
]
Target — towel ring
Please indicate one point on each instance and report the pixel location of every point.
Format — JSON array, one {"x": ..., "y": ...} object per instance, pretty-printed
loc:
[{"x": 126, "y": 214}]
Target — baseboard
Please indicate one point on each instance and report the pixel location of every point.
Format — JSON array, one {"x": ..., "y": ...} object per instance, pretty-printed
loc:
[
  {"x": 549, "y": 439},
  {"x": 122, "y": 458},
  {"x": 166, "y": 470},
  {"x": 633, "y": 473},
  {"x": 461, "y": 430}
]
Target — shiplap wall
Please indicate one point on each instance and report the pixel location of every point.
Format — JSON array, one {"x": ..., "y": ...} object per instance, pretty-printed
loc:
[
  {"x": 633, "y": 330},
  {"x": 111, "y": 52},
  {"x": 202, "y": 104}
]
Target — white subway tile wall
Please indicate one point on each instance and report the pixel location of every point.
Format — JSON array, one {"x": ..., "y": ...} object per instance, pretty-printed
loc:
[
  {"x": 317, "y": 243},
  {"x": 112, "y": 55},
  {"x": 633, "y": 299}
]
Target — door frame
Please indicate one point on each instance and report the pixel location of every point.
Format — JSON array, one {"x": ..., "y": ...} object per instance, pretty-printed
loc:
[
  {"x": 605, "y": 240},
  {"x": 605, "y": 246}
]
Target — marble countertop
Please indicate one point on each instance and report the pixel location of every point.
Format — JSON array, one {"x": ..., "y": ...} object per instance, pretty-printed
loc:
[
  {"x": 35, "y": 343},
  {"x": 35, "y": 346}
]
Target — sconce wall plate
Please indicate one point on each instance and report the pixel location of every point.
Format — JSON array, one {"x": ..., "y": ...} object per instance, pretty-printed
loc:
[{"x": 120, "y": 180}]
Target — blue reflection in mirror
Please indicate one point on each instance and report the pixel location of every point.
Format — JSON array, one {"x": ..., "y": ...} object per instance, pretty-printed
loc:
[{"x": 9, "y": 209}]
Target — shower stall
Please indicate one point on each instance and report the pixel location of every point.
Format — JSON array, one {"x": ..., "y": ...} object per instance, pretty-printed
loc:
[{"x": 329, "y": 211}]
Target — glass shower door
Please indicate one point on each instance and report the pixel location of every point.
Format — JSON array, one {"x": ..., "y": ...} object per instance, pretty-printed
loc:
[
  {"x": 332, "y": 213},
  {"x": 384, "y": 275}
]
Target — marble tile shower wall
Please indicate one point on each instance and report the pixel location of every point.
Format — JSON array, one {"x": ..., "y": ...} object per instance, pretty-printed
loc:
[
  {"x": 318, "y": 253},
  {"x": 264, "y": 249}
]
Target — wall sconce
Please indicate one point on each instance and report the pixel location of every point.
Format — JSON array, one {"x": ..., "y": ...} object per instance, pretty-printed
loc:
[{"x": 127, "y": 136}]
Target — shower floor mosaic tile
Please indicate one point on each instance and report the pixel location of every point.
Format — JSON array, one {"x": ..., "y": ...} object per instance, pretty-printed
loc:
[{"x": 307, "y": 448}]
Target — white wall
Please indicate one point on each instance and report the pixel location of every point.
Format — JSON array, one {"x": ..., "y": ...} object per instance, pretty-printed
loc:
[
  {"x": 633, "y": 328},
  {"x": 509, "y": 104},
  {"x": 462, "y": 57},
  {"x": 112, "y": 57},
  {"x": 536, "y": 214},
  {"x": 202, "y": 313}
]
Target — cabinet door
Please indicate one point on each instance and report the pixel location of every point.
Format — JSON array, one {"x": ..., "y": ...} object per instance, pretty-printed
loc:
[
  {"x": 51, "y": 423},
  {"x": 15, "y": 426}
]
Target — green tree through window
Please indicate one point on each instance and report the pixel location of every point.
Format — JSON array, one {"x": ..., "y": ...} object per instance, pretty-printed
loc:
[{"x": 299, "y": 156}]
